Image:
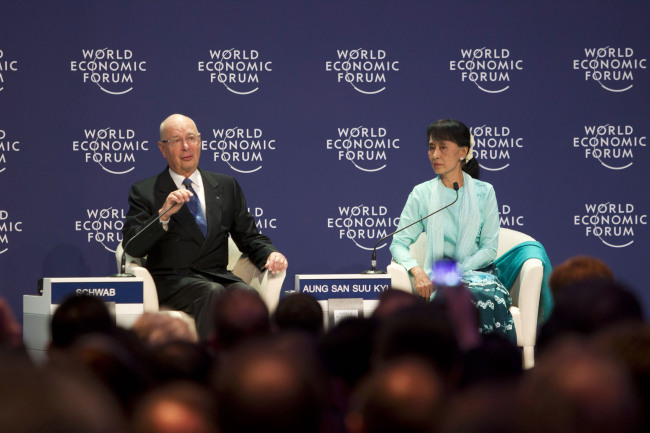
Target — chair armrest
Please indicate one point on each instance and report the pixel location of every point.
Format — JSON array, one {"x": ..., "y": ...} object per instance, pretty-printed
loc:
[
  {"x": 149, "y": 295},
  {"x": 268, "y": 285},
  {"x": 399, "y": 277},
  {"x": 525, "y": 293},
  {"x": 271, "y": 288}
]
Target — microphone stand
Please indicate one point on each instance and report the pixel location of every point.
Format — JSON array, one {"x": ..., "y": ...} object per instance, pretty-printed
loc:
[
  {"x": 373, "y": 262},
  {"x": 123, "y": 272}
]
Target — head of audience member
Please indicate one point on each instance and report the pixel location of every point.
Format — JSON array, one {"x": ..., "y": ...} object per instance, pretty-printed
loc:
[
  {"x": 178, "y": 407},
  {"x": 299, "y": 312},
  {"x": 47, "y": 399},
  {"x": 119, "y": 361},
  {"x": 457, "y": 137},
  {"x": 630, "y": 344},
  {"x": 425, "y": 331},
  {"x": 347, "y": 350},
  {"x": 577, "y": 388},
  {"x": 578, "y": 269},
  {"x": 79, "y": 315},
  {"x": 238, "y": 315},
  {"x": 10, "y": 330},
  {"x": 158, "y": 328},
  {"x": 180, "y": 144},
  {"x": 496, "y": 360},
  {"x": 485, "y": 408},
  {"x": 404, "y": 395},
  {"x": 391, "y": 301},
  {"x": 267, "y": 387},
  {"x": 456, "y": 304},
  {"x": 590, "y": 306},
  {"x": 181, "y": 360}
]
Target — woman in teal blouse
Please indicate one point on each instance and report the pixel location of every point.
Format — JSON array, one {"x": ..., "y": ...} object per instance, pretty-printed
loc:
[{"x": 466, "y": 231}]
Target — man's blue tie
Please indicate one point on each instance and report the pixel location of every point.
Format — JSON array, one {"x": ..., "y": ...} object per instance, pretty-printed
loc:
[{"x": 195, "y": 207}]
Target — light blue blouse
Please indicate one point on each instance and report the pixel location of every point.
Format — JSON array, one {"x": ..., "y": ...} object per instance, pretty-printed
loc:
[{"x": 417, "y": 206}]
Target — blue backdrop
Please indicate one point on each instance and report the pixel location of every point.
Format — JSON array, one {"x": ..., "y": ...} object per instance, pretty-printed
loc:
[{"x": 320, "y": 109}]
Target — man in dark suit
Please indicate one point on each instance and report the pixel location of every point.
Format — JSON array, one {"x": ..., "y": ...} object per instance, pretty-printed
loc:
[{"x": 187, "y": 251}]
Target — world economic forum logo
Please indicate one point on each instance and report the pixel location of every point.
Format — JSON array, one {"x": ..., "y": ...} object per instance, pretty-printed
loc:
[
  {"x": 364, "y": 225},
  {"x": 264, "y": 222},
  {"x": 102, "y": 226},
  {"x": 507, "y": 218},
  {"x": 8, "y": 227},
  {"x": 110, "y": 70},
  {"x": 365, "y": 148},
  {"x": 489, "y": 69},
  {"x": 614, "y": 224},
  {"x": 494, "y": 145},
  {"x": 367, "y": 71},
  {"x": 112, "y": 149},
  {"x": 242, "y": 149},
  {"x": 613, "y": 146},
  {"x": 6, "y": 66},
  {"x": 8, "y": 146},
  {"x": 239, "y": 71},
  {"x": 613, "y": 68}
]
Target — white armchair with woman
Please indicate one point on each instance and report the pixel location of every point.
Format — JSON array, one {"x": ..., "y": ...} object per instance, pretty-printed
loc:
[{"x": 466, "y": 232}]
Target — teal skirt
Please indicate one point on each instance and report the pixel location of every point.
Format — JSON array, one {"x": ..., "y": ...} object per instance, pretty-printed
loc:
[{"x": 493, "y": 302}]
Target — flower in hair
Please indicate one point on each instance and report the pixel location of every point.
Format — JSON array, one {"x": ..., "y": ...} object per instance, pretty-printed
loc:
[{"x": 470, "y": 152}]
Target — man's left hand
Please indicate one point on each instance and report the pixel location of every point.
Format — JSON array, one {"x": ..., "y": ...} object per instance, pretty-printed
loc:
[{"x": 276, "y": 263}]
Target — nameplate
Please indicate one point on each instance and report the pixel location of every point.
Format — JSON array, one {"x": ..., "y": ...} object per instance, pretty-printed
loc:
[
  {"x": 120, "y": 292},
  {"x": 340, "y": 286}
]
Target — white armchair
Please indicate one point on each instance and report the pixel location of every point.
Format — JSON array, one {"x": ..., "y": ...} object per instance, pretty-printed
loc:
[
  {"x": 268, "y": 285},
  {"x": 525, "y": 291}
]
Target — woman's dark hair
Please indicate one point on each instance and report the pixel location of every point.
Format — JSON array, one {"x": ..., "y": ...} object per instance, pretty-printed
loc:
[{"x": 458, "y": 132}]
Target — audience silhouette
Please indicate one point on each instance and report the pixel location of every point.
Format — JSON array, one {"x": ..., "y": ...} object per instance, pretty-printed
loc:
[{"x": 410, "y": 367}]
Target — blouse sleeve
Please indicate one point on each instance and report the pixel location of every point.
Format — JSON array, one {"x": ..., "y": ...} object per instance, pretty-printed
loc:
[
  {"x": 489, "y": 234},
  {"x": 399, "y": 247}
]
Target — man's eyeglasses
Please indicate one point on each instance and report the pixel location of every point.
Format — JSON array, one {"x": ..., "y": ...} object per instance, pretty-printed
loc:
[{"x": 190, "y": 139}]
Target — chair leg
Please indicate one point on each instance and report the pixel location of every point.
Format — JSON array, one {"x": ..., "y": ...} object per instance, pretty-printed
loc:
[{"x": 529, "y": 357}]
